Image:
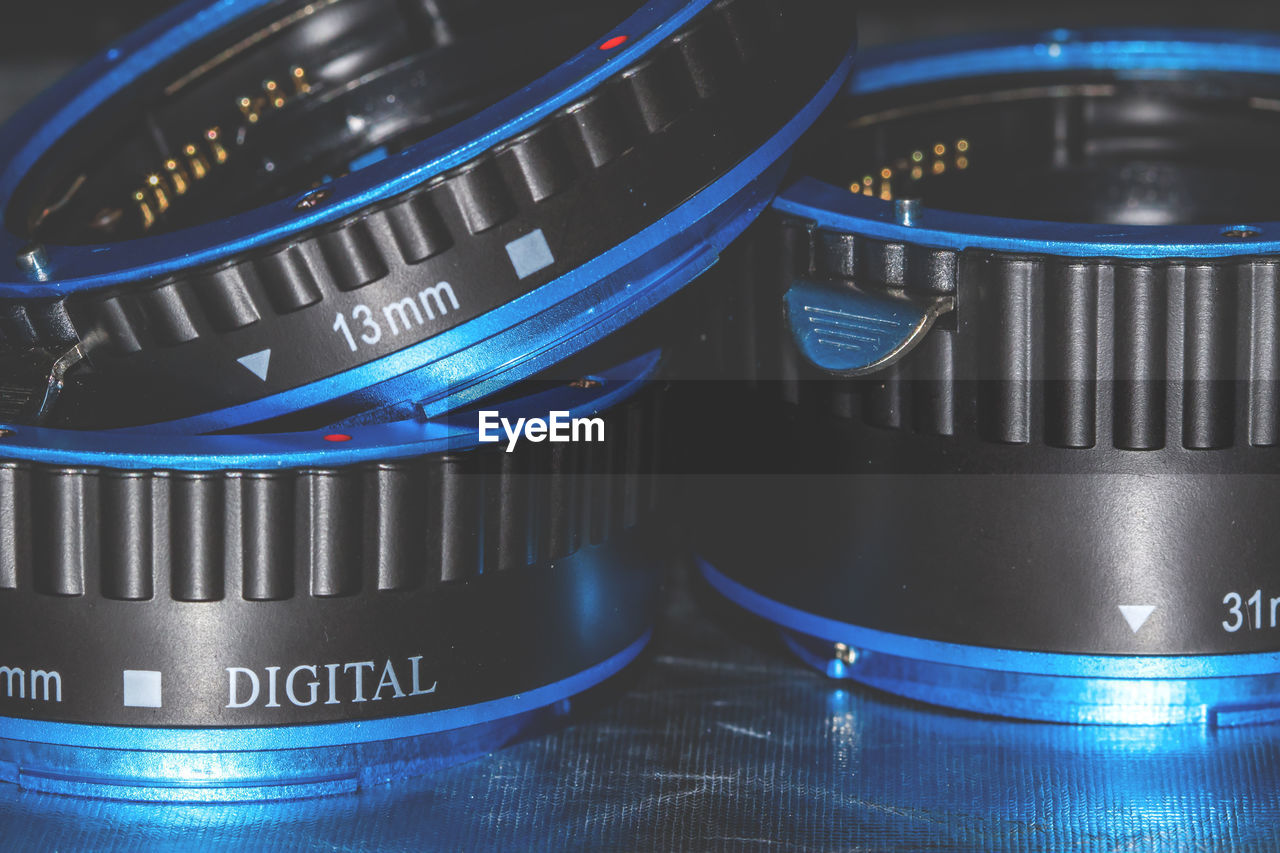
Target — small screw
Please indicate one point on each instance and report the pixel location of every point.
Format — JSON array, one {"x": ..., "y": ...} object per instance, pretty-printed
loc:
[
  {"x": 312, "y": 200},
  {"x": 34, "y": 261},
  {"x": 845, "y": 657},
  {"x": 1241, "y": 233},
  {"x": 587, "y": 383},
  {"x": 846, "y": 654},
  {"x": 906, "y": 211}
]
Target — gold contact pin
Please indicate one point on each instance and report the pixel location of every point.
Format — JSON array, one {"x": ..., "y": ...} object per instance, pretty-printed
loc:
[
  {"x": 886, "y": 173},
  {"x": 886, "y": 191},
  {"x": 939, "y": 150},
  {"x": 250, "y": 108},
  {"x": 917, "y": 173},
  {"x": 214, "y": 137},
  {"x": 196, "y": 163},
  {"x": 177, "y": 177},
  {"x": 274, "y": 96},
  {"x": 962, "y": 145},
  {"x": 299, "y": 76},
  {"x": 144, "y": 210},
  {"x": 156, "y": 183},
  {"x": 939, "y": 167}
]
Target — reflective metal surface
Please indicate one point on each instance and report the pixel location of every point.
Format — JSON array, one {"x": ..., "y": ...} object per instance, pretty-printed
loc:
[{"x": 722, "y": 742}]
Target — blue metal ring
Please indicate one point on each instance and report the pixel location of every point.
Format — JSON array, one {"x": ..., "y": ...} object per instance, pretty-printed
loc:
[
  {"x": 232, "y": 765},
  {"x": 331, "y": 734},
  {"x": 1136, "y": 53},
  {"x": 585, "y": 305},
  {"x": 33, "y": 130},
  {"x": 1126, "y": 689},
  {"x": 394, "y": 440},
  {"x": 482, "y": 355}
]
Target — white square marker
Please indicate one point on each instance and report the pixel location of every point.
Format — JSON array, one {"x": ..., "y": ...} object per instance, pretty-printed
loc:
[
  {"x": 141, "y": 688},
  {"x": 530, "y": 254}
]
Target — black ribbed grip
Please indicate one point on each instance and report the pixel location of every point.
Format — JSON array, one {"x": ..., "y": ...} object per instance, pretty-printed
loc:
[
  {"x": 695, "y": 66},
  {"x": 1080, "y": 437},
  {"x": 381, "y": 527},
  {"x": 641, "y": 143},
  {"x": 1062, "y": 352}
]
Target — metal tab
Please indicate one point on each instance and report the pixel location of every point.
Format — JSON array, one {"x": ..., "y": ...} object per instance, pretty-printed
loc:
[{"x": 850, "y": 332}]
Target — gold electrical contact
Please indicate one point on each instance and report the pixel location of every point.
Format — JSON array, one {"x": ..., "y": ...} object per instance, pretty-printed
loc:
[
  {"x": 147, "y": 215},
  {"x": 213, "y": 136},
  {"x": 158, "y": 192},
  {"x": 177, "y": 177},
  {"x": 274, "y": 96},
  {"x": 936, "y": 159},
  {"x": 196, "y": 163},
  {"x": 199, "y": 159}
]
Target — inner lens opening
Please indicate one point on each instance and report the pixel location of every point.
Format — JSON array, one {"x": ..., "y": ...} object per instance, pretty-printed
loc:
[
  {"x": 1091, "y": 148},
  {"x": 295, "y": 96}
]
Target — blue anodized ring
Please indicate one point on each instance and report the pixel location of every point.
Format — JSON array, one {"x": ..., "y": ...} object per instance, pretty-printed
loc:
[{"x": 473, "y": 358}]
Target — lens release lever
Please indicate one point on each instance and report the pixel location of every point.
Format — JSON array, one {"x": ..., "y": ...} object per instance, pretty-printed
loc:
[{"x": 848, "y": 331}]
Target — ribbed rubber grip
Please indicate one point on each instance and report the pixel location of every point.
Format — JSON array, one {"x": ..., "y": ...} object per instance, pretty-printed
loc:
[
  {"x": 382, "y": 527},
  {"x": 648, "y": 141},
  {"x": 1061, "y": 352}
]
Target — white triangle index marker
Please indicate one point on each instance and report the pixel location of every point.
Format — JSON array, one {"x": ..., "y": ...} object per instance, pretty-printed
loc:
[
  {"x": 258, "y": 363},
  {"x": 1136, "y": 614}
]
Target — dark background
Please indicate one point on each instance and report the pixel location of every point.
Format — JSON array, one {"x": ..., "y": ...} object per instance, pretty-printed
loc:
[
  {"x": 70, "y": 28},
  {"x": 719, "y": 740},
  {"x": 41, "y": 40},
  {"x": 56, "y": 31}
]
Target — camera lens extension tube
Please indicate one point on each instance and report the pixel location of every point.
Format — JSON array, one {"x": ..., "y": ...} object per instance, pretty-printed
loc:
[
  {"x": 332, "y": 370},
  {"x": 274, "y": 616},
  {"x": 324, "y": 207},
  {"x": 1015, "y": 335}
]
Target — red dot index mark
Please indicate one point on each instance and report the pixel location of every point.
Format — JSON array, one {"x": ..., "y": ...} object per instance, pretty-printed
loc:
[
  {"x": 337, "y": 437},
  {"x": 615, "y": 42}
]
